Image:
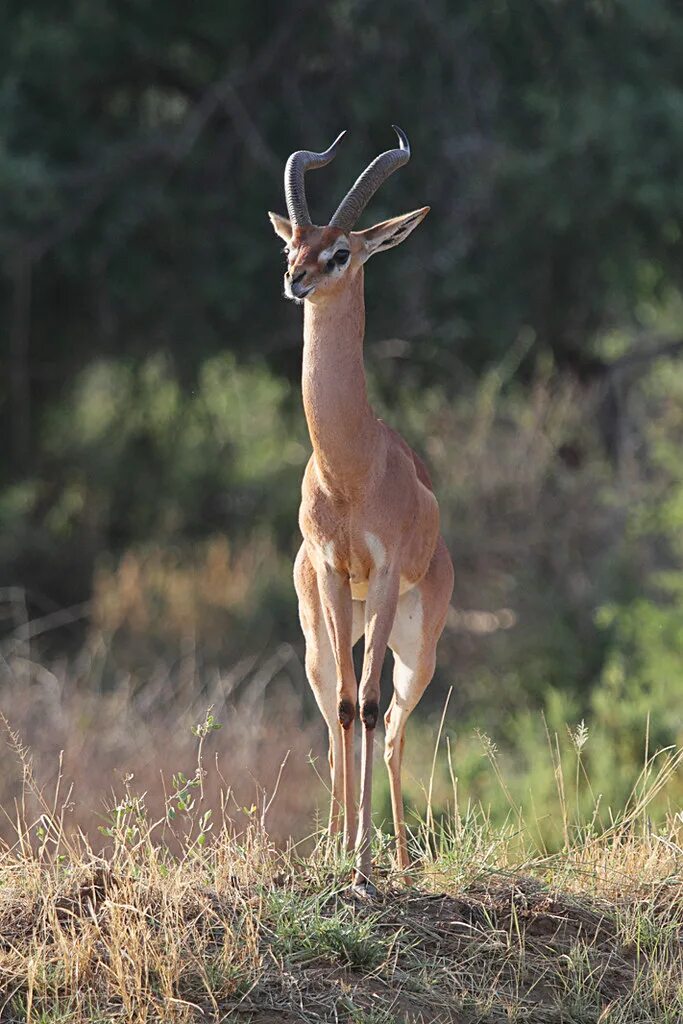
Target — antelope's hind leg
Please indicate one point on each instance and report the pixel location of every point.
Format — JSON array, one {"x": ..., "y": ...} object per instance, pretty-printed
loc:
[
  {"x": 420, "y": 618},
  {"x": 380, "y": 610},
  {"x": 321, "y": 673}
]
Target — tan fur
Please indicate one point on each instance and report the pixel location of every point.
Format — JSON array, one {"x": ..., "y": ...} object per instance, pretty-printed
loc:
[{"x": 372, "y": 559}]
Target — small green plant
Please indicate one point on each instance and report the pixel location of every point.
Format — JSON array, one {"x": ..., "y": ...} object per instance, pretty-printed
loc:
[
  {"x": 188, "y": 790},
  {"x": 313, "y": 927},
  {"x": 359, "y": 1015},
  {"x": 181, "y": 800},
  {"x": 581, "y": 1000},
  {"x": 58, "y": 1011},
  {"x": 127, "y": 819},
  {"x": 210, "y": 724}
]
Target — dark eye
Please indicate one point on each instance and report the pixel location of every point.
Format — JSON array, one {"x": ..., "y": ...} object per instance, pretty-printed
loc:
[{"x": 338, "y": 260}]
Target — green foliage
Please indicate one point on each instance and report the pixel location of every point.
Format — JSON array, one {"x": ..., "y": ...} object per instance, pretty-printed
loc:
[
  {"x": 196, "y": 457},
  {"x": 131, "y": 457},
  {"x": 205, "y": 728},
  {"x": 140, "y": 149},
  {"x": 306, "y": 929},
  {"x": 641, "y": 678}
]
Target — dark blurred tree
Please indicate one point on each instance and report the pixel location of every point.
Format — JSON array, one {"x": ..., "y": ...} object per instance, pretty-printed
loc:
[{"x": 141, "y": 144}]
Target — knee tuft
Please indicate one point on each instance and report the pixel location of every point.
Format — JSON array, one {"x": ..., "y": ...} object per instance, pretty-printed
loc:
[
  {"x": 369, "y": 714},
  {"x": 346, "y": 713}
]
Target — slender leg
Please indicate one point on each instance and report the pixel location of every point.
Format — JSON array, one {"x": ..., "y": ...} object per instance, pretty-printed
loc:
[
  {"x": 380, "y": 608},
  {"x": 337, "y": 606},
  {"x": 419, "y": 622},
  {"x": 409, "y": 685},
  {"x": 321, "y": 673},
  {"x": 336, "y": 799}
]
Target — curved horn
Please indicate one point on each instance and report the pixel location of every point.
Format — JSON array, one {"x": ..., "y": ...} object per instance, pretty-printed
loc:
[
  {"x": 358, "y": 197},
  {"x": 297, "y": 165}
]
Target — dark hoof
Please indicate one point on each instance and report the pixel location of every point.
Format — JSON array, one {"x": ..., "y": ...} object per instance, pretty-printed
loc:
[{"x": 364, "y": 890}]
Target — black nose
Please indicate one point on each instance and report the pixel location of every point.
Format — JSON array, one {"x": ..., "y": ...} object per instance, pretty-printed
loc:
[{"x": 299, "y": 276}]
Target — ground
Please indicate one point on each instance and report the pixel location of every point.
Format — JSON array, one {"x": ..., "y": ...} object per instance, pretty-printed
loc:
[
  {"x": 197, "y": 915},
  {"x": 240, "y": 931}
]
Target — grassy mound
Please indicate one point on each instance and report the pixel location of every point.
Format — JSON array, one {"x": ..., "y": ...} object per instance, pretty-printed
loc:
[
  {"x": 180, "y": 921},
  {"x": 234, "y": 929}
]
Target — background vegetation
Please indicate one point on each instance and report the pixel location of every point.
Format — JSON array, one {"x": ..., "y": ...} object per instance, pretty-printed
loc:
[{"x": 526, "y": 340}]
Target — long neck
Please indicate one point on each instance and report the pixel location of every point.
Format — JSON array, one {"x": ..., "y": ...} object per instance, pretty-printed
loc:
[{"x": 340, "y": 421}]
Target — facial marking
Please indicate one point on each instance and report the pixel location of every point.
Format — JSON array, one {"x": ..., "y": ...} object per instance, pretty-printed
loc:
[
  {"x": 330, "y": 252},
  {"x": 314, "y": 256}
]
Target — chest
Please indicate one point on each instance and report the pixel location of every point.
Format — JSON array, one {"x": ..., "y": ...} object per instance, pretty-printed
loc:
[
  {"x": 389, "y": 523},
  {"x": 341, "y": 540}
]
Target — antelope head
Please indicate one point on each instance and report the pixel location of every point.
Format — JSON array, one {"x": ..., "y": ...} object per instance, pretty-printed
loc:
[{"x": 321, "y": 260}]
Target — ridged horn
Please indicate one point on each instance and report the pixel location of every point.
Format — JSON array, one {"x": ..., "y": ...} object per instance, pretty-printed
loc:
[
  {"x": 358, "y": 197},
  {"x": 295, "y": 192}
]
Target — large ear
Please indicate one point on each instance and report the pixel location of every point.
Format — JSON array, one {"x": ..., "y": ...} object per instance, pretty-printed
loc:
[
  {"x": 281, "y": 226},
  {"x": 390, "y": 232}
]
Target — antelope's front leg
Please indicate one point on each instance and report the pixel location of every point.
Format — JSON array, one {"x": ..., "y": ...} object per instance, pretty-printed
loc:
[
  {"x": 337, "y": 604},
  {"x": 380, "y": 609}
]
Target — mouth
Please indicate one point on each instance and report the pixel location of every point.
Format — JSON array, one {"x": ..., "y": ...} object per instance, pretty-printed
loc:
[{"x": 298, "y": 296}]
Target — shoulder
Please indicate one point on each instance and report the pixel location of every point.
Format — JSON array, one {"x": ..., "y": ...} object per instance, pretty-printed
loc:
[{"x": 421, "y": 470}]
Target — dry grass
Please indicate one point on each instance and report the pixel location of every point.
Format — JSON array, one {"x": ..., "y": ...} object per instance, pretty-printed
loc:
[
  {"x": 98, "y": 737},
  {"x": 182, "y": 919}
]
